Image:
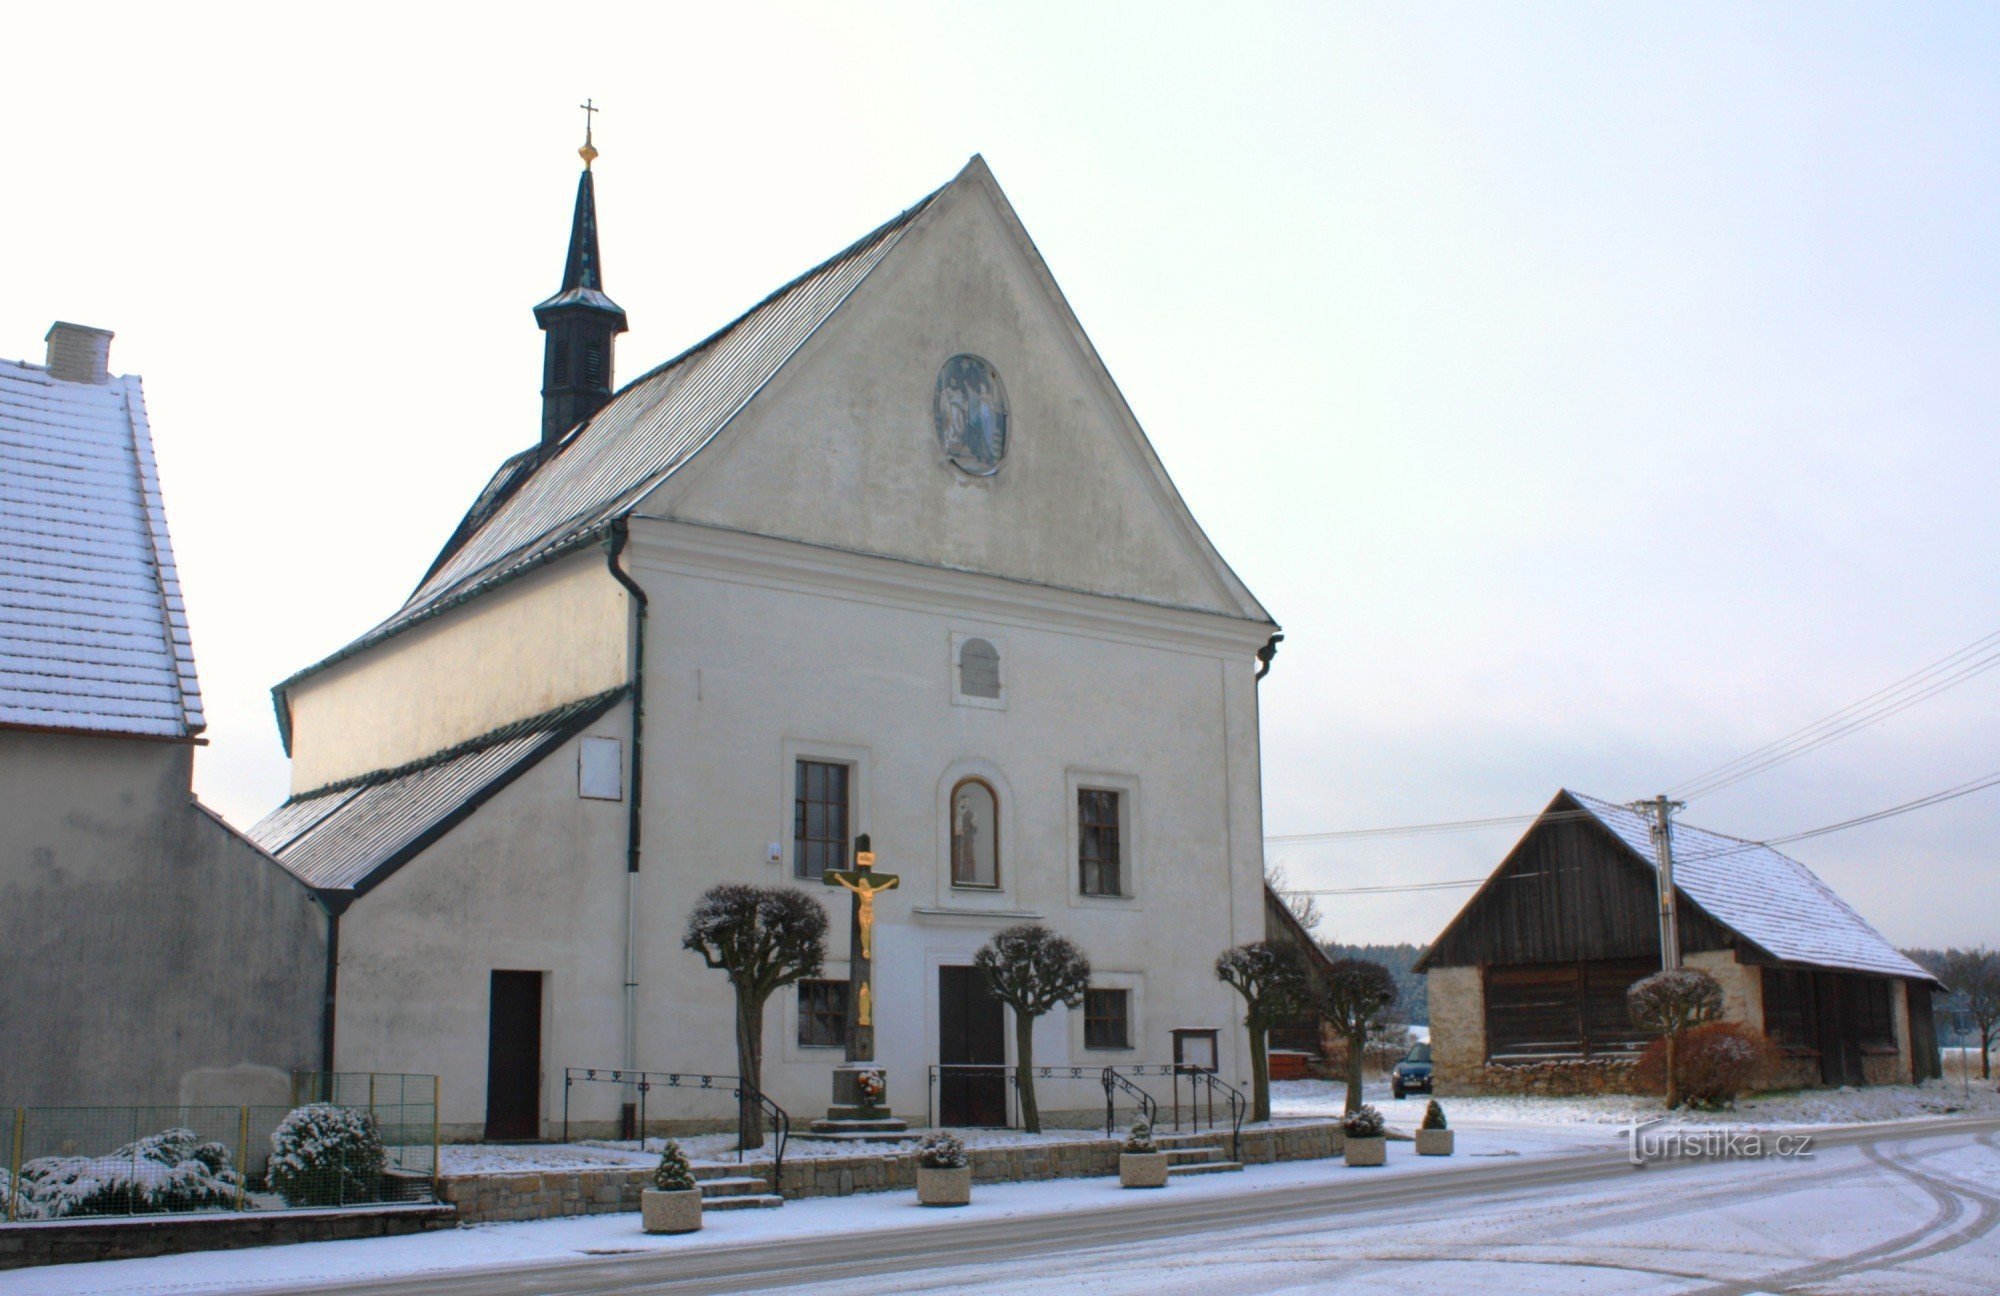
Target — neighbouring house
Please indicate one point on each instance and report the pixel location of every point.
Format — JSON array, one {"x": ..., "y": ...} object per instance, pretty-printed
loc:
[
  {"x": 887, "y": 554},
  {"x": 1298, "y": 1041},
  {"x": 149, "y": 954},
  {"x": 1528, "y": 982}
]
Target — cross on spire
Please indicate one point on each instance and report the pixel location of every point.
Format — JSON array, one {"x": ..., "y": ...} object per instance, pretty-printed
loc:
[{"x": 588, "y": 152}]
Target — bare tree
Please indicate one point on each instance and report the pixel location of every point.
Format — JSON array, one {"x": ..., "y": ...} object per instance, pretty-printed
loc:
[
  {"x": 1357, "y": 992},
  {"x": 764, "y": 938},
  {"x": 1974, "y": 975},
  {"x": 1673, "y": 1003},
  {"x": 1271, "y": 977},
  {"x": 1304, "y": 905},
  {"x": 1032, "y": 970}
]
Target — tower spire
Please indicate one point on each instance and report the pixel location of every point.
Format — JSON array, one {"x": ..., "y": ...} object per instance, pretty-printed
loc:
[{"x": 581, "y": 322}]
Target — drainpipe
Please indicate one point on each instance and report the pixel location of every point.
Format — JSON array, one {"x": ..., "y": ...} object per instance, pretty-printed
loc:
[
  {"x": 334, "y": 906},
  {"x": 614, "y": 546}
]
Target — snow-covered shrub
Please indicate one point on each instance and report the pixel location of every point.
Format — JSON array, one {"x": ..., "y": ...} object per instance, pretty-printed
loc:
[
  {"x": 1433, "y": 1115},
  {"x": 674, "y": 1173},
  {"x": 941, "y": 1151},
  {"x": 323, "y": 1155},
  {"x": 1140, "y": 1140},
  {"x": 1363, "y": 1122},
  {"x": 1716, "y": 1062},
  {"x": 169, "y": 1171}
]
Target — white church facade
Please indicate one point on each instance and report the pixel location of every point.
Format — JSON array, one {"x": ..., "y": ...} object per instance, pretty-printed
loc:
[{"x": 888, "y": 555}]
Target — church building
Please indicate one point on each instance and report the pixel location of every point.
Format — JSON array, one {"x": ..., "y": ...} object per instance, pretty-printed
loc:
[{"x": 888, "y": 554}]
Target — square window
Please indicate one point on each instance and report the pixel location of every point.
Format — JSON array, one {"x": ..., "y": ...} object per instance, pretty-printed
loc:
[
  {"x": 819, "y": 819},
  {"x": 822, "y": 1014},
  {"x": 1107, "y": 1019},
  {"x": 1098, "y": 843}
]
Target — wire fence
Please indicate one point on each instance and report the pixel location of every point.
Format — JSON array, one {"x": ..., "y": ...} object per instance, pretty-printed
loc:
[{"x": 69, "y": 1162}]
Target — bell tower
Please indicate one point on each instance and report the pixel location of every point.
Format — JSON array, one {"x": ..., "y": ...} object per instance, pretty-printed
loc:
[{"x": 580, "y": 323}]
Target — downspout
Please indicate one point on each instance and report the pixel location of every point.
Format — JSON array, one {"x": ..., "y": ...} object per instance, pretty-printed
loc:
[
  {"x": 334, "y": 906},
  {"x": 614, "y": 546}
]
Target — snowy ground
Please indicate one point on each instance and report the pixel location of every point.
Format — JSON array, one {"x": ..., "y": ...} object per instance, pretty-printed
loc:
[
  {"x": 489, "y": 1246},
  {"x": 1800, "y": 1107}
]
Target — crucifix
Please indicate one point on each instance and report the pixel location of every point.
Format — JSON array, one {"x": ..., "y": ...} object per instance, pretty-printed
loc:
[
  {"x": 864, "y": 883},
  {"x": 588, "y": 152}
]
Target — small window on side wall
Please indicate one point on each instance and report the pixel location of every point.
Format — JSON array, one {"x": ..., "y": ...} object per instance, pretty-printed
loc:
[
  {"x": 1098, "y": 847},
  {"x": 1107, "y": 1019},
  {"x": 600, "y": 769},
  {"x": 975, "y": 835},
  {"x": 979, "y": 669},
  {"x": 822, "y": 1014}
]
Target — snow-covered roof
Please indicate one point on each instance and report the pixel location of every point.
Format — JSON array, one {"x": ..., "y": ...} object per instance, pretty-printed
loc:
[
  {"x": 1769, "y": 899},
  {"x": 93, "y": 634},
  {"x": 350, "y": 835}
]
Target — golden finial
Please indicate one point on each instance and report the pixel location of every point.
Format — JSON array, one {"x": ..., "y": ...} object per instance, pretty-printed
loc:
[{"x": 587, "y": 152}]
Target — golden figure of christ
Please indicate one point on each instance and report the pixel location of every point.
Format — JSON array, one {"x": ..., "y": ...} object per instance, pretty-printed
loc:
[{"x": 864, "y": 886}]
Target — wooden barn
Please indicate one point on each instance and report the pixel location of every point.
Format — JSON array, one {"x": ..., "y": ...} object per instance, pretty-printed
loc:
[{"x": 1533, "y": 971}]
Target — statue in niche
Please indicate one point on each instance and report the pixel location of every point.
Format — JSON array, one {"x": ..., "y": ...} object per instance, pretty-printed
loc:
[{"x": 970, "y": 412}]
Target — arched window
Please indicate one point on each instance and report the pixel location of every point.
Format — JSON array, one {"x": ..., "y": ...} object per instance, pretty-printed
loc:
[
  {"x": 979, "y": 669},
  {"x": 975, "y": 835}
]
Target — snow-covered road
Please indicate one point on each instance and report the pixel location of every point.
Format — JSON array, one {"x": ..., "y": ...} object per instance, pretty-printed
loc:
[{"x": 1902, "y": 1209}]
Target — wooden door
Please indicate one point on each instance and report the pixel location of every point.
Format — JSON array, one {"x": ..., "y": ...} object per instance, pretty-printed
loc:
[
  {"x": 1839, "y": 1039},
  {"x": 514, "y": 1057},
  {"x": 971, "y": 1032}
]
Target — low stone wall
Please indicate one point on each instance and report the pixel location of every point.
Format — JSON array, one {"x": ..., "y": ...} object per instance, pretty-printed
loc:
[
  {"x": 556, "y": 1193},
  {"x": 1568, "y": 1078},
  {"x": 68, "y": 1241}
]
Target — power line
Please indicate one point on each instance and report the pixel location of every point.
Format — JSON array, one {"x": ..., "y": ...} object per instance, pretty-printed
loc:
[
  {"x": 1412, "y": 830},
  {"x": 1946, "y": 673},
  {"x": 1378, "y": 890}
]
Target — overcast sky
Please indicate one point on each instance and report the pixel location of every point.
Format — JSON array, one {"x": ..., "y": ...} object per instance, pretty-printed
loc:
[{"x": 1594, "y": 393}]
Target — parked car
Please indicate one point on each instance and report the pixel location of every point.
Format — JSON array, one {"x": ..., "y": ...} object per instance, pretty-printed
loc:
[{"x": 1413, "y": 1073}]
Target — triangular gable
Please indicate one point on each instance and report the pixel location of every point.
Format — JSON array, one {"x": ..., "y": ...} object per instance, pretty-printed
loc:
[{"x": 840, "y": 449}]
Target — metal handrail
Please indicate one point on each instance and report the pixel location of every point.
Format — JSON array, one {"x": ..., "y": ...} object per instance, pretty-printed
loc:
[
  {"x": 1149, "y": 1107},
  {"x": 1200, "y": 1078},
  {"x": 1009, "y": 1073},
  {"x": 645, "y": 1081}
]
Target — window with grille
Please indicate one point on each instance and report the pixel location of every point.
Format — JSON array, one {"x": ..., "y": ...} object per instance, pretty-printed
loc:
[
  {"x": 558, "y": 363},
  {"x": 819, "y": 821},
  {"x": 1107, "y": 1019},
  {"x": 1790, "y": 1009},
  {"x": 1097, "y": 842},
  {"x": 822, "y": 1014},
  {"x": 1874, "y": 1019}
]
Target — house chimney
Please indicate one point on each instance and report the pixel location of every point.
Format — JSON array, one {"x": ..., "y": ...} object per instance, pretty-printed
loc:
[{"x": 79, "y": 353}]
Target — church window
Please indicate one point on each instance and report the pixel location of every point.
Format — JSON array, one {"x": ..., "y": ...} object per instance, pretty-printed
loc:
[
  {"x": 819, "y": 821},
  {"x": 979, "y": 669},
  {"x": 1097, "y": 842},
  {"x": 600, "y": 769},
  {"x": 1107, "y": 1019},
  {"x": 822, "y": 1014},
  {"x": 975, "y": 835}
]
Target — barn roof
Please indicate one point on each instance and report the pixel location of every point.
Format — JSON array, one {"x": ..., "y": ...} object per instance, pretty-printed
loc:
[
  {"x": 351, "y": 835},
  {"x": 1769, "y": 899},
  {"x": 93, "y": 634}
]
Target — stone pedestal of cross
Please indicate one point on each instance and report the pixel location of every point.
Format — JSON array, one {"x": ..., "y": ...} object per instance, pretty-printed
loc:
[{"x": 860, "y": 1107}]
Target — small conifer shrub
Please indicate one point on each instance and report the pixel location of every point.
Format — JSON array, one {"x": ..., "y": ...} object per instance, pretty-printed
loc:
[
  {"x": 674, "y": 1173},
  {"x": 1140, "y": 1141},
  {"x": 1364, "y": 1122},
  {"x": 940, "y": 1150},
  {"x": 1434, "y": 1116}
]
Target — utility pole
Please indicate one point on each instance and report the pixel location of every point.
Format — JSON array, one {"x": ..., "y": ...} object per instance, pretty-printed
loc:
[{"x": 1662, "y": 811}]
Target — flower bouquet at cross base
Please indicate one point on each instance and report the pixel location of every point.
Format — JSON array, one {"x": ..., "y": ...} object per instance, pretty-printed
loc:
[{"x": 871, "y": 1086}]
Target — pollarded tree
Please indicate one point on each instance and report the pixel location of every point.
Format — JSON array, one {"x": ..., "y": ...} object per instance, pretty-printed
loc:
[
  {"x": 1357, "y": 991},
  {"x": 1672, "y": 1003},
  {"x": 1271, "y": 977},
  {"x": 764, "y": 938},
  {"x": 1032, "y": 970},
  {"x": 1974, "y": 978}
]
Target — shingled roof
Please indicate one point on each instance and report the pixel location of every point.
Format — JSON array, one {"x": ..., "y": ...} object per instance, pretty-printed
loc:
[
  {"x": 93, "y": 634},
  {"x": 532, "y": 512}
]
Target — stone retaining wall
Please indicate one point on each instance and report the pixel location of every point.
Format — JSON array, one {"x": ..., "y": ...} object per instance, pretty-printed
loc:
[
  {"x": 554, "y": 1193},
  {"x": 67, "y": 1241}
]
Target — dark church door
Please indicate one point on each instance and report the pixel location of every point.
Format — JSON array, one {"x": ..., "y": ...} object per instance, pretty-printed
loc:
[
  {"x": 514, "y": 1057},
  {"x": 971, "y": 1032}
]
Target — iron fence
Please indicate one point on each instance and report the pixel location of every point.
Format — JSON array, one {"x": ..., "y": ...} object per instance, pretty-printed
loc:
[
  {"x": 97, "y": 1162},
  {"x": 752, "y": 1104},
  {"x": 976, "y": 1095}
]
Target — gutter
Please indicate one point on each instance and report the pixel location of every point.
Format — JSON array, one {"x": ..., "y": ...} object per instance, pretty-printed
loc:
[
  {"x": 334, "y": 905},
  {"x": 614, "y": 545}
]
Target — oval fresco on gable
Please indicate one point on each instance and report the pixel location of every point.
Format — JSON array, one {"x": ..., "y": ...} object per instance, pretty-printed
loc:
[{"x": 970, "y": 410}]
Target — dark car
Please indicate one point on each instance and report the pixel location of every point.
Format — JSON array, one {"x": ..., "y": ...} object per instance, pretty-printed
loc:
[{"x": 1413, "y": 1073}]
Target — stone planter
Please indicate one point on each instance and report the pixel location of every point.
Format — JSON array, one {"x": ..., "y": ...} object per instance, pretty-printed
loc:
[
  {"x": 1143, "y": 1169},
  {"x": 944, "y": 1187},
  {"x": 1434, "y": 1142},
  {"x": 1366, "y": 1151},
  {"x": 670, "y": 1212}
]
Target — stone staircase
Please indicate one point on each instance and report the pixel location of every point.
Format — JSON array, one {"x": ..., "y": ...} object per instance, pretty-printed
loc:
[
  {"x": 731, "y": 1187},
  {"x": 1195, "y": 1154}
]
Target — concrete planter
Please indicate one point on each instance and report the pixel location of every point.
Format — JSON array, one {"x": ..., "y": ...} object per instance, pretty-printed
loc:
[
  {"x": 944, "y": 1187},
  {"x": 670, "y": 1212},
  {"x": 1366, "y": 1151},
  {"x": 1143, "y": 1169},
  {"x": 1434, "y": 1142}
]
